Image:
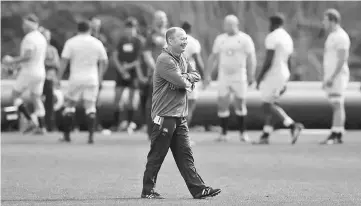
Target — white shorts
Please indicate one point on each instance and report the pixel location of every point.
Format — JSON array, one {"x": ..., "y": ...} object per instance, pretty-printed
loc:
[
  {"x": 238, "y": 88},
  {"x": 338, "y": 88},
  {"x": 195, "y": 93},
  {"x": 271, "y": 89},
  {"x": 78, "y": 92},
  {"x": 34, "y": 84}
]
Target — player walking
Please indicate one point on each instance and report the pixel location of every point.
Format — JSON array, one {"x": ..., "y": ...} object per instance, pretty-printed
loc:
[
  {"x": 32, "y": 74},
  {"x": 234, "y": 53},
  {"x": 172, "y": 79},
  {"x": 127, "y": 60},
  {"x": 336, "y": 72},
  {"x": 274, "y": 77},
  {"x": 84, "y": 53}
]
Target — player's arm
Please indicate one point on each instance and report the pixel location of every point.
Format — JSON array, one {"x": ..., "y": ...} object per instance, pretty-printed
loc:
[
  {"x": 138, "y": 68},
  {"x": 192, "y": 75},
  {"x": 342, "y": 56},
  {"x": 26, "y": 54},
  {"x": 65, "y": 59},
  {"x": 270, "y": 51},
  {"x": 118, "y": 65},
  {"x": 102, "y": 62},
  {"x": 169, "y": 72},
  {"x": 213, "y": 60},
  {"x": 251, "y": 61},
  {"x": 147, "y": 53},
  {"x": 199, "y": 64}
]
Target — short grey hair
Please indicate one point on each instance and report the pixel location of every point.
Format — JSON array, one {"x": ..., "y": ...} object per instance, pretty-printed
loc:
[{"x": 170, "y": 32}]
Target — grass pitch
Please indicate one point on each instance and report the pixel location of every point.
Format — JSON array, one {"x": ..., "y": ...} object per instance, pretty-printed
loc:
[{"x": 37, "y": 170}]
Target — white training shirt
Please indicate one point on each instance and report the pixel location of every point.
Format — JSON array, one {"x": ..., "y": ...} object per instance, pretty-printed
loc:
[
  {"x": 84, "y": 51},
  {"x": 37, "y": 44},
  {"x": 281, "y": 42},
  {"x": 336, "y": 40},
  {"x": 233, "y": 52},
  {"x": 193, "y": 47}
]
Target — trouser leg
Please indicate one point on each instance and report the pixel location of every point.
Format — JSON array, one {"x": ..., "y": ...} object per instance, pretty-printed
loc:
[
  {"x": 183, "y": 155},
  {"x": 149, "y": 109},
  {"x": 161, "y": 137}
]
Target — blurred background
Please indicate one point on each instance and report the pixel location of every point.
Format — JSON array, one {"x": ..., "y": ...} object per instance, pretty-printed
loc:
[{"x": 303, "y": 22}]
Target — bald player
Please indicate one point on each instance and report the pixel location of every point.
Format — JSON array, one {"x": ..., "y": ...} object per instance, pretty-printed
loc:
[
  {"x": 336, "y": 72},
  {"x": 32, "y": 74},
  {"x": 273, "y": 79},
  {"x": 155, "y": 41},
  {"x": 173, "y": 78},
  {"x": 234, "y": 54}
]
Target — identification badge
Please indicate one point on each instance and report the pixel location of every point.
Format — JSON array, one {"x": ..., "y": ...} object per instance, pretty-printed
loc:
[
  {"x": 157, "y": 120},
  {"x": 128, "y": 47}
]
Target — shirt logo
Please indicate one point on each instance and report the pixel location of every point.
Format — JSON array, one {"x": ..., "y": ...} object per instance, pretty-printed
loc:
[
  {"x": 230, "y": 52},
  {"x": 128, "y": 47}
]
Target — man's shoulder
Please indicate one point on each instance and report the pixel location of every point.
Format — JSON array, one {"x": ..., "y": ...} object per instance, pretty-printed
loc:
[{"x": 221, "y": 36}]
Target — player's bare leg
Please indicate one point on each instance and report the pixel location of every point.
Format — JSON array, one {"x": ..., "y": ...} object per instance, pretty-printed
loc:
[
  {"x": 19, "y": 103},
  {"x": 133, "y": 106},
  {"x": 224, "y": 103},
  {"x": 39, "y": 113},
  {"x": 118, "y": 105},
  {"x": 123, "y": 104},
  {"x": 241, "y": 112},
  {"x": 68, "y": 119},
  {"x": 338, "y": 121}
]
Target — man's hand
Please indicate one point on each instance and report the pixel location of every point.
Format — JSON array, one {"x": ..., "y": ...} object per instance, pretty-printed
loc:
[
  {"x": 125, "y": 75},
  {"x": 206, "y": 82},
  {"x": 257, "y": 85},
  {"x": 8, "y": 60}
]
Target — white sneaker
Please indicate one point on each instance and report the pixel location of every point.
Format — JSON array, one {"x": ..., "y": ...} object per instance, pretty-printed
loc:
[
  {"x": 123, "y": 125},
  {"x": 222, "y": 138},
  {"x": 244, "y": 138},
  {"x": 132, "y": 126}
]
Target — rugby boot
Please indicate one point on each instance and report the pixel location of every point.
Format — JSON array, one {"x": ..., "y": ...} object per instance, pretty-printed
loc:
[
  {"x": 151, "y": 195},
  {"x": 207, "y": 192}
]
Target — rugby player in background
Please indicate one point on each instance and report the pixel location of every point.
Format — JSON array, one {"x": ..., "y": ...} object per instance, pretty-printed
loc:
[
  {"x": 95, "y": 26},
  {"x": 88, "y": 59},
  {"x": 193, "y": 54},
  {"x": 335, "y": 72},
  {"x": 273, "y": 78},
  {"x": 52, "y": 62},
  {"x": 234, "y": 54},
  {"x": 32, "y": 74},
  {"x": 155, "y": 41},
  {"x": 127, "y": 60}
]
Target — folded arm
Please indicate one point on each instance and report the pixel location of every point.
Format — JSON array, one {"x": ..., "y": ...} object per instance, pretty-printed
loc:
[{"x": 170, "y": 73}]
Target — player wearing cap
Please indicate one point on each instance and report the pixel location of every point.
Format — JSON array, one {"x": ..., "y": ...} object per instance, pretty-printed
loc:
[
  {"x": 32, "y": 74},
  {"x": 234, "y": 53},
  {"x": 127, "y": 60},
  {"x": 274, "y": 77},
  {"x": 336, "y": 72},
  {"x": 88, "y": 59}
]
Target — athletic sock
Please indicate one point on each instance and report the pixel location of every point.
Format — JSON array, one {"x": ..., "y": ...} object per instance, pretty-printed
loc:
[
  {"x": 242, "y": 123},
  {"x": 41, "y": 122},
  {"x": 91, "y": 120},
  {"x": 68, "y": 125},
  {"x": 224, "y": 125},
  {"x": 25, "y": 111}
]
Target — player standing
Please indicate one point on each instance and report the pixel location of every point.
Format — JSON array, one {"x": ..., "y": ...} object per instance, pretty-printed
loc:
[
  {"x": 193, "y": 54},
  {"x": 274, "y": 77},
  {"x": 155, "y": 41},
  {"x": 336, "y": 72},
  {"x": 84, "y": 53},
  {"x": 32, "y": 74},
  {"x": 127, "y": 60},
  {"x": 234, "y": 53}
]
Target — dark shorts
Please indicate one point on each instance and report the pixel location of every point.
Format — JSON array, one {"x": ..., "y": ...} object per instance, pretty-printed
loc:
[{"x": 132, "y": 82}]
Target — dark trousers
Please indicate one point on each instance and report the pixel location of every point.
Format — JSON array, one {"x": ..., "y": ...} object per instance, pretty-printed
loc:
[
  {"x": 48, "y": 92},
  {"x": 148, "y": 108},
  {"x": 171, "y": 133}
]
